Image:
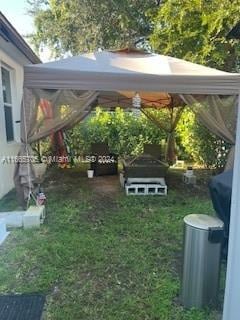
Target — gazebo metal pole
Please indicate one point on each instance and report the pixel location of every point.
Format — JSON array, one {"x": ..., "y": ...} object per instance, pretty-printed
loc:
[{"x": 231, "y": 310}]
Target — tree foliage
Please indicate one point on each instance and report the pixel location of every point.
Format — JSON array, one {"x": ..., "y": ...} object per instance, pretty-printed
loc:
[
  {"x": 196, "y": 30},
  {"x": 124, "y": 133},
  {"x": 79, "y": 26}
]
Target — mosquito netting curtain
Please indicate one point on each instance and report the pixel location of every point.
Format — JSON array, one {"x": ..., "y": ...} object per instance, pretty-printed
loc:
[
  {"x": 46, "y": 111},
  {"x": 43, "y": 113},
  {"x": 218, "y": 114}
]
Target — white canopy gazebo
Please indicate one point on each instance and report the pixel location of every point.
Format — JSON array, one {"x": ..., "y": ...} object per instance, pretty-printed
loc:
[
  {"x": 77, "y": 82},
  {"x": 130, "y": 71}
]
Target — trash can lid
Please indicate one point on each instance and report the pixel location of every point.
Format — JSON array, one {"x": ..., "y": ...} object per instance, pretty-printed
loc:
[{"x": 203, "y": 221}]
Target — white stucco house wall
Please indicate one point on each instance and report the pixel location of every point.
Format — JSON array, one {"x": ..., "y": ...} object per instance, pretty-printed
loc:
[{"x": 14, "y": 54}]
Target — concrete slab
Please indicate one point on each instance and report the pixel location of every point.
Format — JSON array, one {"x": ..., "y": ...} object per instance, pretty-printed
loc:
[
  {"x": 33, "y": 217},
  {"x": 13, "y": 219}
]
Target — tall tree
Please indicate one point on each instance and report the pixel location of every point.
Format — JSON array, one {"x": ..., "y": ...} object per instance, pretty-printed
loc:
[
  {"x": 196, "y": 30},
  {"x": 83, "y": 25}
]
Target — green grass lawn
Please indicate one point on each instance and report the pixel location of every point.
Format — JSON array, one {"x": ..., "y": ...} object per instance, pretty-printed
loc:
[{"x": 101, "y": 255}]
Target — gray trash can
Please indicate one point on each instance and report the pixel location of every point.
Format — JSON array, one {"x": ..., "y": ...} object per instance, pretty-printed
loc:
[{"x": 203, "y": 235}]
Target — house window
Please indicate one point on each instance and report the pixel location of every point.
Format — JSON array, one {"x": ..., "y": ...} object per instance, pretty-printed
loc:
[{"x": 7, "y": 103}]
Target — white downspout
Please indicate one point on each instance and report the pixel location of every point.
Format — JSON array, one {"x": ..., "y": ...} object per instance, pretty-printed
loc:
[{"x": 231, "y": 310}]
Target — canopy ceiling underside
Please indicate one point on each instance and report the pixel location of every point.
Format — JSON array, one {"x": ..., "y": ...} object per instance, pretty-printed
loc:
[{"x": 130, "y": 71}]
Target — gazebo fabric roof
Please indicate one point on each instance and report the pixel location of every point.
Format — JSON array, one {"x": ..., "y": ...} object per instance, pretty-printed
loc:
[{"x": 130, "y": 71}]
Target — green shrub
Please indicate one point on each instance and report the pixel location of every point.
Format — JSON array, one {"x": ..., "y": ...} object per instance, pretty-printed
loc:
[
  {"x": 124, "y": 132},
  {"x": 198, "y": 144}
]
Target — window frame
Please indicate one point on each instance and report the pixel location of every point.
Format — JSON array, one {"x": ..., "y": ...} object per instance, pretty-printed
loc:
[{"x": 6, "y": 104}]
